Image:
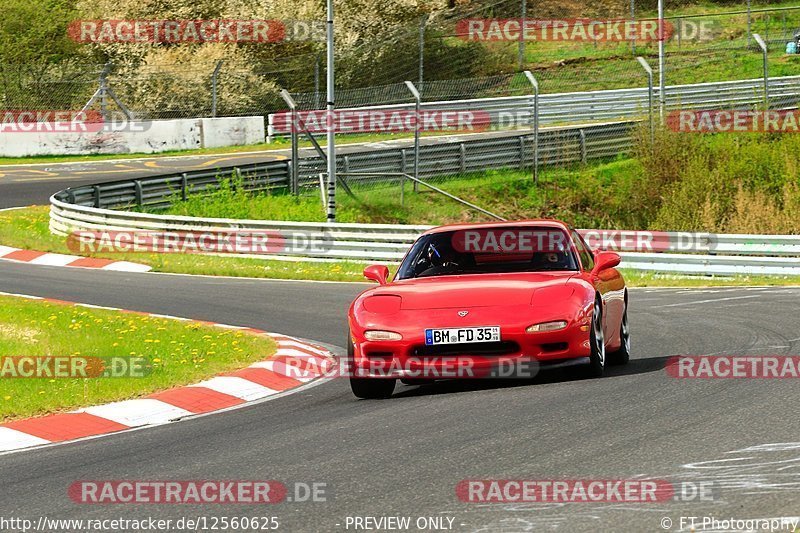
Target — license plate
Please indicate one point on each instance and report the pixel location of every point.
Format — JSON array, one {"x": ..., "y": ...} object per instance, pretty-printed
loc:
[{"x": 462, "y": 335}]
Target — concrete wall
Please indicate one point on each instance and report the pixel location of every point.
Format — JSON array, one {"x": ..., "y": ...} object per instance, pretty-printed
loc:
[{"x": 147, "y": 137}]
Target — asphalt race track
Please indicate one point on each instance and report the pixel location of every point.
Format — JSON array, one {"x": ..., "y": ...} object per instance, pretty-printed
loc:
[{"x": 404, "y": 456}]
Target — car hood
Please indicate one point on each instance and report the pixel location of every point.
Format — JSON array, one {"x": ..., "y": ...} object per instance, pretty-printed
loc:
[{"x": 477, "y": 290}]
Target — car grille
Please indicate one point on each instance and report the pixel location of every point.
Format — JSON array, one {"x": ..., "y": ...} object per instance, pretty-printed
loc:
[{"x": 472, "y": 348}]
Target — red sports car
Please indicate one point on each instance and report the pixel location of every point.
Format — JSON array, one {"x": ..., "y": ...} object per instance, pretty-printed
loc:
[{"x": 488, "y": 300}]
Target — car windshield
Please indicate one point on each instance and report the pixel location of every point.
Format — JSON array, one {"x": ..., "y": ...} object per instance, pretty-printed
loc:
[{"x": 489, "y": 251}]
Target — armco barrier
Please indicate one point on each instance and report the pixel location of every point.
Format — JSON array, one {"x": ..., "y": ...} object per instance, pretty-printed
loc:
[
  {"x": 759, "y": 254},
  {"x": 442, "y": 156},
  {"x": 594, "y": 106}
]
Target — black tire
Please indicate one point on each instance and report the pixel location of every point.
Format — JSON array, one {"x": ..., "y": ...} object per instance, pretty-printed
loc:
[
  {"x": 623, "y": 354},
  {"x": 597, "y": 357},
  {"x": 416, "y": 381},
  {"x": 372, "y": 388},
  {"x": 368, "y": 388}
]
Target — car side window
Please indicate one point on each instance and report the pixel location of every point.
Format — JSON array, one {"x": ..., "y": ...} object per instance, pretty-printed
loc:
[{"x": 587, "y": 258}]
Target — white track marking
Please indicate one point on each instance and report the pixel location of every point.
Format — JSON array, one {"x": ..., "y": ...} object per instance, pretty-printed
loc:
[
  {"x": 11, "y": 439},
  {"x": 132, "y": 413},
  {"x": 237, "y": 387},
  {"x": 696, "y": 302}
]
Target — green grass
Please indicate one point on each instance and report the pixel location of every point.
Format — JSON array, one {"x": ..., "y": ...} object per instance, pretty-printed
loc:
[{"x": 179, "y": 353}]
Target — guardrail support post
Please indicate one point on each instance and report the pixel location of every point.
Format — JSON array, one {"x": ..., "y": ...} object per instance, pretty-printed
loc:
[
  {"x": 137, "y": 187},
  {"x": 184, "y": 186},
  {"x": 294, "y": 179},
  {"x": 535, "y": 84},
  {"x": 96, "y": 190},
  {"x": 417, "y": 126},
  {"x": 763, "y": 47},
  {"x": 642, "y": 61}
]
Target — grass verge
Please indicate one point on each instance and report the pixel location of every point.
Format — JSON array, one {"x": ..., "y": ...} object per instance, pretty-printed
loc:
[{"x": 179, "y": 353}]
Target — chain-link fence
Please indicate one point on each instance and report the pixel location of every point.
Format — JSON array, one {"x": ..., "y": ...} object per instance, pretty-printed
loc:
[{"x": 706, "y": 42}]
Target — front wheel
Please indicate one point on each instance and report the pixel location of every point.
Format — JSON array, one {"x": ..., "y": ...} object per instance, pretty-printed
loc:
[
  {"x": 372, "y": 388},
  {"x": 368, "y": 388},
  {"x": 623, "y": 354},
  {"x": 597, "y": 357}
]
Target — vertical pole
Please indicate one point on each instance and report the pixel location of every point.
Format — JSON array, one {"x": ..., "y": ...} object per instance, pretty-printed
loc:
[
  {"x": 294, "y": 177},
  {"x": 417, "y": 128},
  {"x": 642, "y": 61},
  {"x": 748, "y": 22},
  {"x": 421, "y": 77},
  {"x": 104, "y": 90},
  {"x": 763, "y": 46},
  {"x": 316, "y": 81},
  {"x": 331, "y": 211},
  {"x": 532, "y": 79},
  {"x": 633, "y": 19},
  {"x": 661, "y": 81},
  {"x": 214, "y": 88},
  {"x": 521, "y": 50}
]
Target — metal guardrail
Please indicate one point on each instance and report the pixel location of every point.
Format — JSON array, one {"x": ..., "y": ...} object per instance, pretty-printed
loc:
[
  {"x": 758, "y": 254},
  {"x": 593, "y": 106},
  {"x": 557, "y": 146}
]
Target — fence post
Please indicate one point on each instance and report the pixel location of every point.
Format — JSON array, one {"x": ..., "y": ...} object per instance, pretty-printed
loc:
[
  {"x": 642, "y": 61},
  {"x": 214, "y": 88},
  {"x": 763, "y": 47},
  {"x": 633, "y": 20},
  {"x": 417, "y": 110},
  {"x": 316, "y": 82},
  {"x": 104, "y": 90},
  {"x": 535, "y": 84},
  {"x": 582, "y": 137},
  {"x": 662, "y": 99},
  {"x": 748, "y": 22},
  {"x": 294, "y": 177},
  {"x": 423, "y": 19},
  {"x": 521, "y": 50}
]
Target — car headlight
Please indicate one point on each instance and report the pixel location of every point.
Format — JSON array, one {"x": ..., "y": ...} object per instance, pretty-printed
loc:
[
  {"x": 380, "y": 335},
  {"x": 547, "y": 326}
]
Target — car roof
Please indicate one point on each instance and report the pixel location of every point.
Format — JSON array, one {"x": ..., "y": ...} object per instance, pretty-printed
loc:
[{"x": 544, "y": 222}]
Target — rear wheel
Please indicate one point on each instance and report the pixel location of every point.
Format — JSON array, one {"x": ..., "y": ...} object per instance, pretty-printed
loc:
[
  {"x": 623, "y": 354},
  {"x": 368, "y": 388}
]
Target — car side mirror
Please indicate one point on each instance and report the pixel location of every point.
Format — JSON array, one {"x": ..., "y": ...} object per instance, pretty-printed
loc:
[
  {"x": 604, "y": 261},
  {"x": 379, "y": 273}
]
